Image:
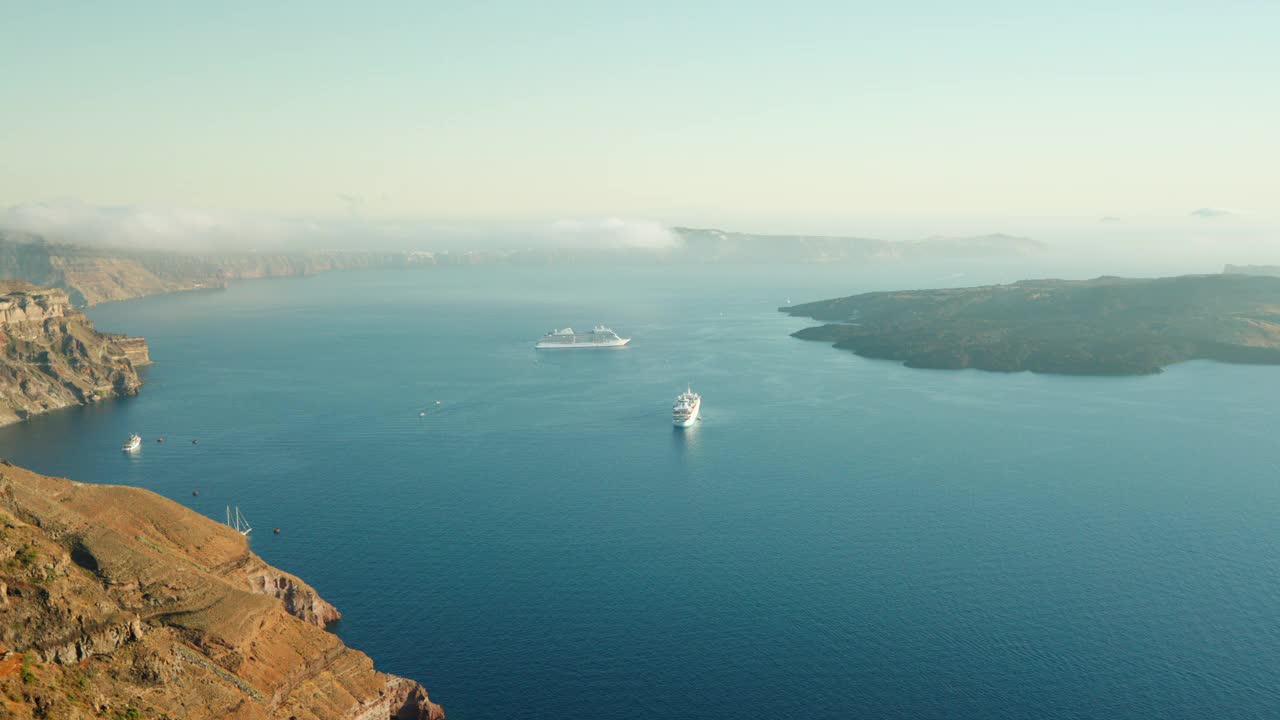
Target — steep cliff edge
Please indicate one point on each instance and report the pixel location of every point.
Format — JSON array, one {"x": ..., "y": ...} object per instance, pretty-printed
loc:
[
  {"x": 93, "y": 275},
  {"x": 119, "y": 603},
  {"x": 51, "y": 357}
]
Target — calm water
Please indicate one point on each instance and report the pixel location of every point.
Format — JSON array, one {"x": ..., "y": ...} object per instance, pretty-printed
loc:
[{"x": 839, "y": 538}]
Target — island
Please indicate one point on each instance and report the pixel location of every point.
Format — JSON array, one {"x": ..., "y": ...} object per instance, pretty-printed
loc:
[
  {"x": 119, "y": 603},
  {"x": 1104, "y": 326}
]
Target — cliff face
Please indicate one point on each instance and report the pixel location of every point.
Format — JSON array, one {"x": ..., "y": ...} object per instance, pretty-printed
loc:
[
  {"x": 119, "y": 603},
  {"x": 96, "y": 275},
  {"x": 51, "y": 357}
]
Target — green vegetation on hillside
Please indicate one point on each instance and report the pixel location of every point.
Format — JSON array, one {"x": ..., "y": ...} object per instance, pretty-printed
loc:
[{"x": 1106, "y": 326}]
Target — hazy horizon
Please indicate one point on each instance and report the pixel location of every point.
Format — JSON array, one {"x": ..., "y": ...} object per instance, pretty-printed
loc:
[
  {"x": 1079, "y": 246},
  {"x": 1105, "y": 130}
]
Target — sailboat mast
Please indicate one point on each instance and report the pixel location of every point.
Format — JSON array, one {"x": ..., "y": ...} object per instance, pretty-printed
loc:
[{"x": 238, "y": 521}]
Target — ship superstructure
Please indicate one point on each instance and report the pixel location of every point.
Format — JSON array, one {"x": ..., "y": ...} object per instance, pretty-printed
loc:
[
  {"x": 566, "y": 339},
  {"x": 686, "y": 409}
]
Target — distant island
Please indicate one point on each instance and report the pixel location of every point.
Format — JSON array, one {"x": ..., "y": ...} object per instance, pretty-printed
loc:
[
  {"x": 1105, "y": 326},
  {"x": 1269, "y": 270},
  {"x": 711, "y": 245}
]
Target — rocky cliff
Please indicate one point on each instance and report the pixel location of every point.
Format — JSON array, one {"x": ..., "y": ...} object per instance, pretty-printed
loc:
[
  {"x": 92, "y": 275},
  {"x": 118, "y": 603},
  {"x": 51, "y": 356}
]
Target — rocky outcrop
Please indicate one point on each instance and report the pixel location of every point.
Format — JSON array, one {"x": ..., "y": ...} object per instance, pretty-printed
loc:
[
  {"x": 134, "y": 348},
  {"x": 51, "y": 357},
  {"x": 298, "y": 598},
  {"x": 23, "y": 304},
  {"x": 83, "y": 642},
  {"x": 120, "y": 603}
]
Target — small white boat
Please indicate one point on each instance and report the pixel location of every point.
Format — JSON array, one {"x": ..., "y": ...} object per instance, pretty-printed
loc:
[
  {"x": 685, "y": 411},
  {"x": 133, "y": 443}
]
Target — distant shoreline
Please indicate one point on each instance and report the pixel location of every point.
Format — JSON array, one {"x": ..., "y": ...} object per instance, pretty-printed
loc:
[
  {"x": 1106, "y": 326},
  {"x": 93, "y": 275}
]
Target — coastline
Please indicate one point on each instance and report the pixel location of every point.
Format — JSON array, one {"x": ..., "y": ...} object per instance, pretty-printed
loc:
[{"x": 121, "y": 599}]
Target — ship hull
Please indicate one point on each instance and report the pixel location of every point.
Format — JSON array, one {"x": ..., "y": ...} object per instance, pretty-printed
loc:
[{"x": 582, "y": 346}]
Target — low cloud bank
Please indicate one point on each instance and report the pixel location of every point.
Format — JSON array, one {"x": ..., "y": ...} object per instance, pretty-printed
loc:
[
  {"x": 148, "y": 227},
  {"x": 613, "y": 233},
  {"x": 197, "y": 230},
  {"x": 1212, "y": 212}
]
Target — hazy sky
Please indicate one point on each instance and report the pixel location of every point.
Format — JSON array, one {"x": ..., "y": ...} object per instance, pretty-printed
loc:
[{"x": 728, "y": 111}]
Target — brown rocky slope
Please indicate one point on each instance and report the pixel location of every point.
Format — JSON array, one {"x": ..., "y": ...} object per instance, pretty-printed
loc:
[
  {"x": 118, "y": 603},
  {"x": 51, "y": 356},
  {"x": 94, "y": 275}
]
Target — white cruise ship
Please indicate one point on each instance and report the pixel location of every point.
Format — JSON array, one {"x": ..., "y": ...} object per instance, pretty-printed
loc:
[
  {"x": 685, "y": 411},
  {"x": 133, "y": 443},
  {"x": 599, "y": 337}
]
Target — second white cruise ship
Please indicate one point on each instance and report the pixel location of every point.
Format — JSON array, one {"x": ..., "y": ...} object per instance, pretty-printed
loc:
[
  {"x": 599, "y": 337},
  {"x": 684, "y": 413}
]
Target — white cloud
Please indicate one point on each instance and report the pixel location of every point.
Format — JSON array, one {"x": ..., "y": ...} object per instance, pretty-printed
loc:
[
  {"x": 1212, "y": 212},
  {"x": 196, "y": 230},
  {"x": 140, "y": 226},
  {"x": 612, "y": 233}
]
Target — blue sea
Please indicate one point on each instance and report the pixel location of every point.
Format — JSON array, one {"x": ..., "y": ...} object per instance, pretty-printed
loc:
[{"x": 838, "y": 538}]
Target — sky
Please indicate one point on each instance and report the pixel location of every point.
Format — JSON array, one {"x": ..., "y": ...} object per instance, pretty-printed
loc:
[{"x": 804, "y": 116}]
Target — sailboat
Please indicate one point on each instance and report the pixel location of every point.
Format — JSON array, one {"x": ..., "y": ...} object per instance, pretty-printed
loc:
[{"x": 238, "y": 521}]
